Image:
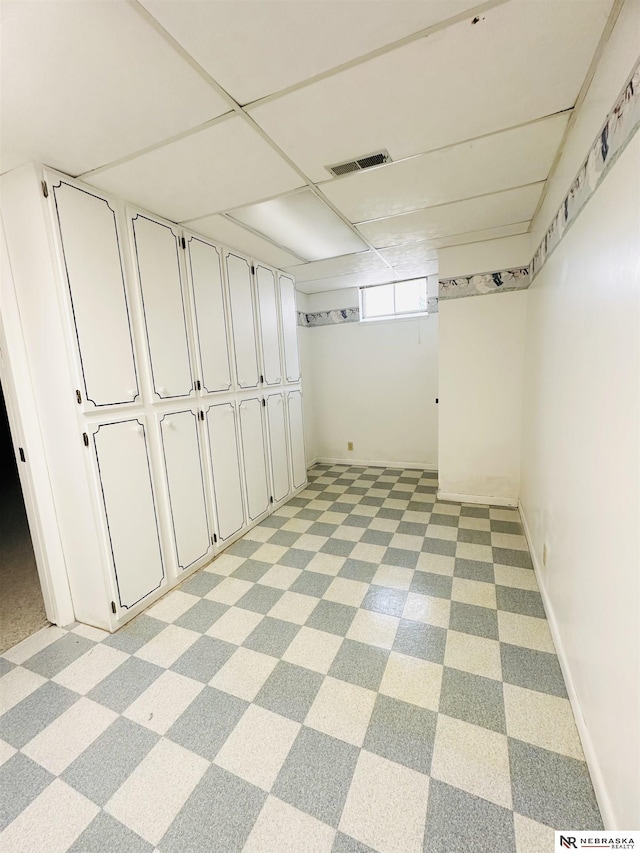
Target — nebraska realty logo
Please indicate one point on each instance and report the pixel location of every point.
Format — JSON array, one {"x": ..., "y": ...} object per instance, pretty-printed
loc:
[{"x": 573, "y": 840}]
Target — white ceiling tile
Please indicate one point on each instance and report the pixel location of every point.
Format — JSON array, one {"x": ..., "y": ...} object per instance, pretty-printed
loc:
[
  {"x": 224, "y": 166},
  {"x": 512, "y": 158},
  {"x": 234, "y": 236},
  {"x": 413, "y": 254},
  {"x": 303, "y": 223},
  {"x": 523, "y": 60},
  {"x": 339, "y": 282},
  {"x": 470, "y": 237},
  {"x": 489, "y": 211},
  {"x": 360, "y": 262},
  {"x": 254, "y": 48},
  {"x": 84, "y": 84}
]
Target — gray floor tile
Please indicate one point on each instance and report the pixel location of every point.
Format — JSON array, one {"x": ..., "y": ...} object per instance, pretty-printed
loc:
[
  {"x": 429, "y": 583},
  {"x": 474, "y": 570},
  {"x": 317, "y": 774},
  {"x": 532, "y": 669},
  {"x": 400, "y": 495},
  {"x": 359, "y": 663},
  {"x": 338, "y": 547},
  {"x": 469, "y": 619},
  {"x": 473, "y": 698},
  {"x": 21, "y": 780},
  {"x": 512, "y": 557},
  {"x": 246, "y": 547},
  {"x": 296, "y": 558},
  {"x": 427, "y": 642},
  {"x": 332, "y": 617},
  {"x": 475, "y": 537},
  {"x": 411, "y": 528},
  {"x": 401, "y": 557},
  {"x": 290, "y": 691},
  {"x": 136, "y": 633},
  {"x": 382, "y": 599},
  {"x": 260, "y": 599},
  {"x": 377, "y": 537},
  {"x": 458, "y": 822},
  {"x": 341, "y": 506},
  {"x": 251, "y": 570},
  {"x": 218, "y": 816},
  {"x": 475, "y": 511},
  {"x": 322, "y": 529},
  {"x": 58, "y": 655},
  {"x": 443, "y": 520},
  {"x": 102, "y": 768},
  {"x": 524, "y": 601},
  {"x": 371, "y": 500},
  {"x": 276, "y": 521},
  {"x": 285, "y": 538},
  {"x": 552, "y": 788},
  {"x": 106, "y": 833},
  {"x": 506, "y": 527},
  {"x": 345, "y": 844},
  {"x": 306, "y": 514},
  {"x": 439, "y": 546},
  {"x": 391, "y": 514},
  {"x": 119, "y": 689},
  {"x": 402, "y": 732},
  {"x": 207, "y": 722},
  {"x": 201, "y": 583},
  {"x": 357, "y": 521},
  {"x": 358, "y": 570},
  {"x": 312, "y": 583},
  {"x": 272, "y": 636},
  {"x": 204, "y": 658},
  {"x": 5, "y": 666},
  {"x": 202, "y": 615},
  {"x": 29, "y": 717}
]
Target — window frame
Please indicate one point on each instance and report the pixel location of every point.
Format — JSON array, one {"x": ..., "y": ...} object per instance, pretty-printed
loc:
[{"x": 397, "y": 315}]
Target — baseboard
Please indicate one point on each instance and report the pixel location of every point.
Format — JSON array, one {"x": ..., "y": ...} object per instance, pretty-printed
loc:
[
  {"x": 599, "y": 784},
  {"x": 312, "y": 462},
  {"x": 487, "y": 500},
  {"x": 377, "y": 463}
]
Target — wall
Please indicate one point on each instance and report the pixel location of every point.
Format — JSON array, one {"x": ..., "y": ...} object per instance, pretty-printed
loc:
[
  {"x": 488, "y": 256},
  {"x": 480, "y": 412},
  {"x": 308, "y": 407}
]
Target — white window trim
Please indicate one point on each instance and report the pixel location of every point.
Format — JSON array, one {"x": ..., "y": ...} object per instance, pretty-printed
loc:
[{"x": 386, "y": 318}]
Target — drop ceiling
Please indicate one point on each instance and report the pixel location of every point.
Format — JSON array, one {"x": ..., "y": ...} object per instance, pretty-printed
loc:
[{"x": 224, "y": 115}]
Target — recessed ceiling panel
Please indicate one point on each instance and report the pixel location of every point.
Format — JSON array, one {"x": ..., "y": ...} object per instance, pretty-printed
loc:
[
  {"x": 521, "y": 61},
  {"x": 477, "y": 236},
  {"x": 303, "y": 223},
  {"x": 227, "y": 233},
  {"x": 224, "y": 166},
  {"x": 512, "y": 158},
  {"x": 358, "y": 279},
  {"x": 360, "y": 262},
  {"x": 412, "y": 254},
  {"x": 462, "y": 216},
  {"x": 84, "y": 84},
  {"x": 255, "y": 48}
]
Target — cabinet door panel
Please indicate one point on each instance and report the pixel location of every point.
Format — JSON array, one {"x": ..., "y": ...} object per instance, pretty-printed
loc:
[
  {"x": 278, "y": 445},
  {"x": 255, "y": 457},
  {"x": 225, "y": 464},
  {"x": 95, "y": 278},
  {"x": 289, "y": 329},
  {"x": 156, "y": 248},
  {"x": 129, "y": 505},
  {"x": 211, "y": 321},
  {"x": 269, "y": 332},
  {"x": 242, "y": 321},
  {"x": 296, "y": 438},
  {"x": 183, "y": 465}
]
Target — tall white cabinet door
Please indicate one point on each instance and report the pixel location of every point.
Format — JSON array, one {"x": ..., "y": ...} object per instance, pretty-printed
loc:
[
  {"x": 296, "y": 439},
  {"x": 157, "y": 258},
  {"x": 276, "y": 423},
  {"x": 127, "y": 494},
  {"x": 269, "y": 332},
  {"x": 185, "y": 482},
  {"x": 254, "y": 454},
  {"x": 289, "y": 329},
  {"x": 205, "y": 265},
  {"x": 242, "y": 321},
  {"x": 95, "y": 280},
  {"x": 225, "y": 465}
]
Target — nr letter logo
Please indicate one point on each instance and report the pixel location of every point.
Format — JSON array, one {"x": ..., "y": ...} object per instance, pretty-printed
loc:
[{"x": 568, "y": 842}]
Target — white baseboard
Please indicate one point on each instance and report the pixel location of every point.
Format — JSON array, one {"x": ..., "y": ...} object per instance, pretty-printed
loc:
[
  {"x": 477, "y": 499},
  {"x": 599, "y": 784},
  {"x": 377, "y": 463},
  {"x": 312, "y": 462}
]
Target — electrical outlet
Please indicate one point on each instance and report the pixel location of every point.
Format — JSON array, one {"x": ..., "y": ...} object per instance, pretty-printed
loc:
[
  {"x": 545, "y": 554},
  {"x": 349, "y": 445}
]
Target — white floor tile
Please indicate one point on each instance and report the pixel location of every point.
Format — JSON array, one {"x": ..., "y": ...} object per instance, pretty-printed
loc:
[
  {"x": 167, "y": 646},
  {"x": 325, "y": 564},
  {"x": 244, "y": 673},
  {"x": 531, "y": 835},
  {"x": 280, "y": 577},
  {"x": 280, "y": 828},
  {"x": 427, "y": 609},
  {"x": 474, "y": 592},
  {"x": 368, "y": 553},
  {"x": 229, "y": 591},
  {"x": 527, "y": 631},
  {"x": 294, "y": 607},
  {"x": 16, "y": 685},
  {"x": 85, "y": 672},
  {"x": 164, "y": 701},
  {"x": 342, "y": 710},
  {"x": 474, "y": 654},
  {"x": 470, "y": 551},
  {"x": 407, "y": 542},
  {"x": 412, "y": 680},
  {"x": 235, "y": 625},
  {"x": 172, "y": 606},
  {"x": 313, "y": 649},
  {"x": 269, "y": 553},
  {"x": 345, "y": 591},
  {"x": 437, "y": 564},
  {"x": 542, "y": 720},
  {"x": 375, "y": 629},
  {"x": 512, "y": 576},
  {"x": 90, "y": 633},
  {"x": 509, "y": 540},
  {"x": 33, "y": 644},
  {"x": 394, "y": 577},
  {"x": 225, "y": 564}
]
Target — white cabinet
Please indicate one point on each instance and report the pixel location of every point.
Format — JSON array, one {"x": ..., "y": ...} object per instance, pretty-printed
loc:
[
  {"x": 210, "y": 314},
  {"x": 126, "y": 491},
  {"x": 245, "y": 342},
  {"x": 186, "y": 487},
  {"x": 269, "y": 331},
  {"x": 296, "y": 439},
  {"x": 289, "y": 316},
  {"x": 254, "y": 457},
  {"x": 225, "y": 467},
  {"x": 278, "y": 456},
  {"x": 157, "y": 257},
  {"x": 93, "y": 269}
]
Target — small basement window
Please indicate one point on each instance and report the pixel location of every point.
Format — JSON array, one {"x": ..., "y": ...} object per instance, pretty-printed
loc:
[{"x": 393, "y": 301}]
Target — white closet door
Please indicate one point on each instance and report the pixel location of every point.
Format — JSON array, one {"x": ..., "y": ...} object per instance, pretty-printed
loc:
[
  {"x": 157, "y": 248},
  {"x": 225, "y": 464},
  {"x": 129, "y": 505},
  {"x": 289, "y": 329},
  {"x": 255, "y": 457},
  {"x": 242, "y": 320},
  {"x": 211, "y": 321},
  {"x": 95, "y": 278},
  {"x": 278, "y": 446},
  {"x": 296, "y": 438},
  {"x": 268, "y": 314},
  {"x": 183, "y": 465}
]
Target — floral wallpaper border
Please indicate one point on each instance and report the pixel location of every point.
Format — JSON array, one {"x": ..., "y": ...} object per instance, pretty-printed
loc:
[{"x": 482, "y": 283}]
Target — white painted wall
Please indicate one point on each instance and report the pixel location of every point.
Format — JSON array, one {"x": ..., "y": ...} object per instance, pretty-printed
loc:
[
  {"x": 481, "y": 361},
  {"x": 489, "y": 256},
  {"x": 581, "y": 463}
]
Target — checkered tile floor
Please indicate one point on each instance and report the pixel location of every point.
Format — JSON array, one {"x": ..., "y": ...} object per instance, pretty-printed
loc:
[{"x": 367, "y": 670}]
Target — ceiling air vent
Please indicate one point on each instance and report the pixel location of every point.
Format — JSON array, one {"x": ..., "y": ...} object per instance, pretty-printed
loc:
[{"x": 367, "y": 162}]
